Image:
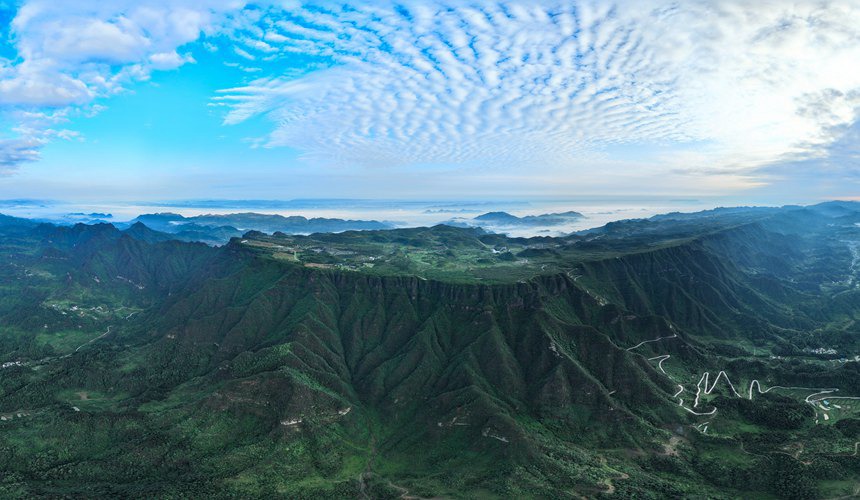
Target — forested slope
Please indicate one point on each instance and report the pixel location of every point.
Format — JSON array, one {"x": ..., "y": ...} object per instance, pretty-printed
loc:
[{"x": 278, "y": 365}]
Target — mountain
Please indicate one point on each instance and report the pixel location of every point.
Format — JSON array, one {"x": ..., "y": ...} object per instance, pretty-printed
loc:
[
  {"x": 687, "y": 356},
  {"x": 504, "y": 218},
  {"x": 7, "y": 221},
  {"x": 505, "y": 223},
  {"x": 140, "y": 231},
  {"x": 218, "y": 229}
]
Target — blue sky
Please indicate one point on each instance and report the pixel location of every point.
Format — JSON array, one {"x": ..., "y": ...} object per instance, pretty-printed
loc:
[{"x": 159, "y": 100}]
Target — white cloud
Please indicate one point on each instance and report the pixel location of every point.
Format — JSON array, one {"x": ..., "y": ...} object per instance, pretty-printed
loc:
[
  {"x": 243, "y": 53},
  {"x": 91, "y": 48},
  {"x": 519, "y": 83},
  {"x": 564, "y": 89},
  {"x": 72, "y": 52},
  {"x": 14, "y": 152},
  {"x": 169, "y": 60},
  {"x": 31, "y": 84},
  {"x": 33, "y": 130}
]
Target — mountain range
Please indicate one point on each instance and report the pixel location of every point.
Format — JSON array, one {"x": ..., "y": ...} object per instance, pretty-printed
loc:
[
  {"x": 706, "y": 355},
  {"x": 218, "y": 229},
  {"x": 503, "y": 222}
]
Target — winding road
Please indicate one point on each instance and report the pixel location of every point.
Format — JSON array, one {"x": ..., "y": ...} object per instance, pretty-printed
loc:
[
  {"x": 704, "y": 386},
  {"x": 640, "y": 344}
]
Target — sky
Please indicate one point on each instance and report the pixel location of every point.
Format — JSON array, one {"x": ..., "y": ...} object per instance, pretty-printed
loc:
[{"x": 755, "y": 102}]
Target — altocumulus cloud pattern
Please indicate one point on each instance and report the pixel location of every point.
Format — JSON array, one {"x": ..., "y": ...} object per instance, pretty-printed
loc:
[
  {"x": 699, "y": 87},
  {"x": 556, "y": 81}
]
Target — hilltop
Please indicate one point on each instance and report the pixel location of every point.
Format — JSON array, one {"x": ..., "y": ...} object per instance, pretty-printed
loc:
[{"x": 685, "y": 355}]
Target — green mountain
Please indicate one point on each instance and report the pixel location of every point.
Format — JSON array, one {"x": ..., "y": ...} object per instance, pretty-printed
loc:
[
  {"x": 504, "y": 218},
  {"x": 503, "y": 221},
  {"x": 218, "y": 229},
  {"x": 709, "y": 355}
]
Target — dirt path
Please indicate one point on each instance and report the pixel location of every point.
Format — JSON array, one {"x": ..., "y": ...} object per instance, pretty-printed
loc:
[
  {"x": 404, "y": 493},
  {"x": 749, "y": 452},
  {"x": 368, "y": 472},
  {"x": 93, "y": 340},
  {"x": 855, "y": 494},
  {"x": 640, "y": 344},
  {"x": 854, "y": 454},
  {"x": 799, "y": 451},
  {"x": 362, "y": 478},
  {"x": 610, "y": 487}
]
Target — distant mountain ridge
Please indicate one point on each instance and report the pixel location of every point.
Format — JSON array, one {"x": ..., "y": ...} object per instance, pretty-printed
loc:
[
  {"x": 500, "y": 221},
  {"x": 218, "y": 229},
  {"x": 543, "y": 219}
]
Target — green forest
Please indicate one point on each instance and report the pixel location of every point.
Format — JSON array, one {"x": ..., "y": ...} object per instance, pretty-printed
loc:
[{"x": 707, "y": 355}]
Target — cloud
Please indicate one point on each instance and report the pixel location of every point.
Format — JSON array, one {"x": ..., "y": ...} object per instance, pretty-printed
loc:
[
  {"x": 14, "y": 152},
  {"x": 730, "y": 86},
  {"x": 682, "y": 93},
  {"x": 243, "y": 54},
  {"x": 32, "y": 130},
  {"x": 33, "y": 85},
  {"x": 833, "y": 172},
  {"x": 169, "y": 60},
  {"x": 71, "y": 53},
  {"x": 92, "y": 48}
]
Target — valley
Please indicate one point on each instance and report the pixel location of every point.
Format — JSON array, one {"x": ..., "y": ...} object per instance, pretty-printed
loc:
[
  {"x": 402, "y": 249},
  {"x": 686, "y": 355}
]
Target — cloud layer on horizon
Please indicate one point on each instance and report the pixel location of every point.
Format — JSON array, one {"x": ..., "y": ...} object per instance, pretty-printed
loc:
[{"x": 715, "y": 93}]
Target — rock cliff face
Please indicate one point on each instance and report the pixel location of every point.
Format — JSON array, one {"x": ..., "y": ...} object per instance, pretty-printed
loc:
[
  {"x": 429, "y": 358},
  {"x": 332, "y": 382},
  {"x": 424, "y": 351}
]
